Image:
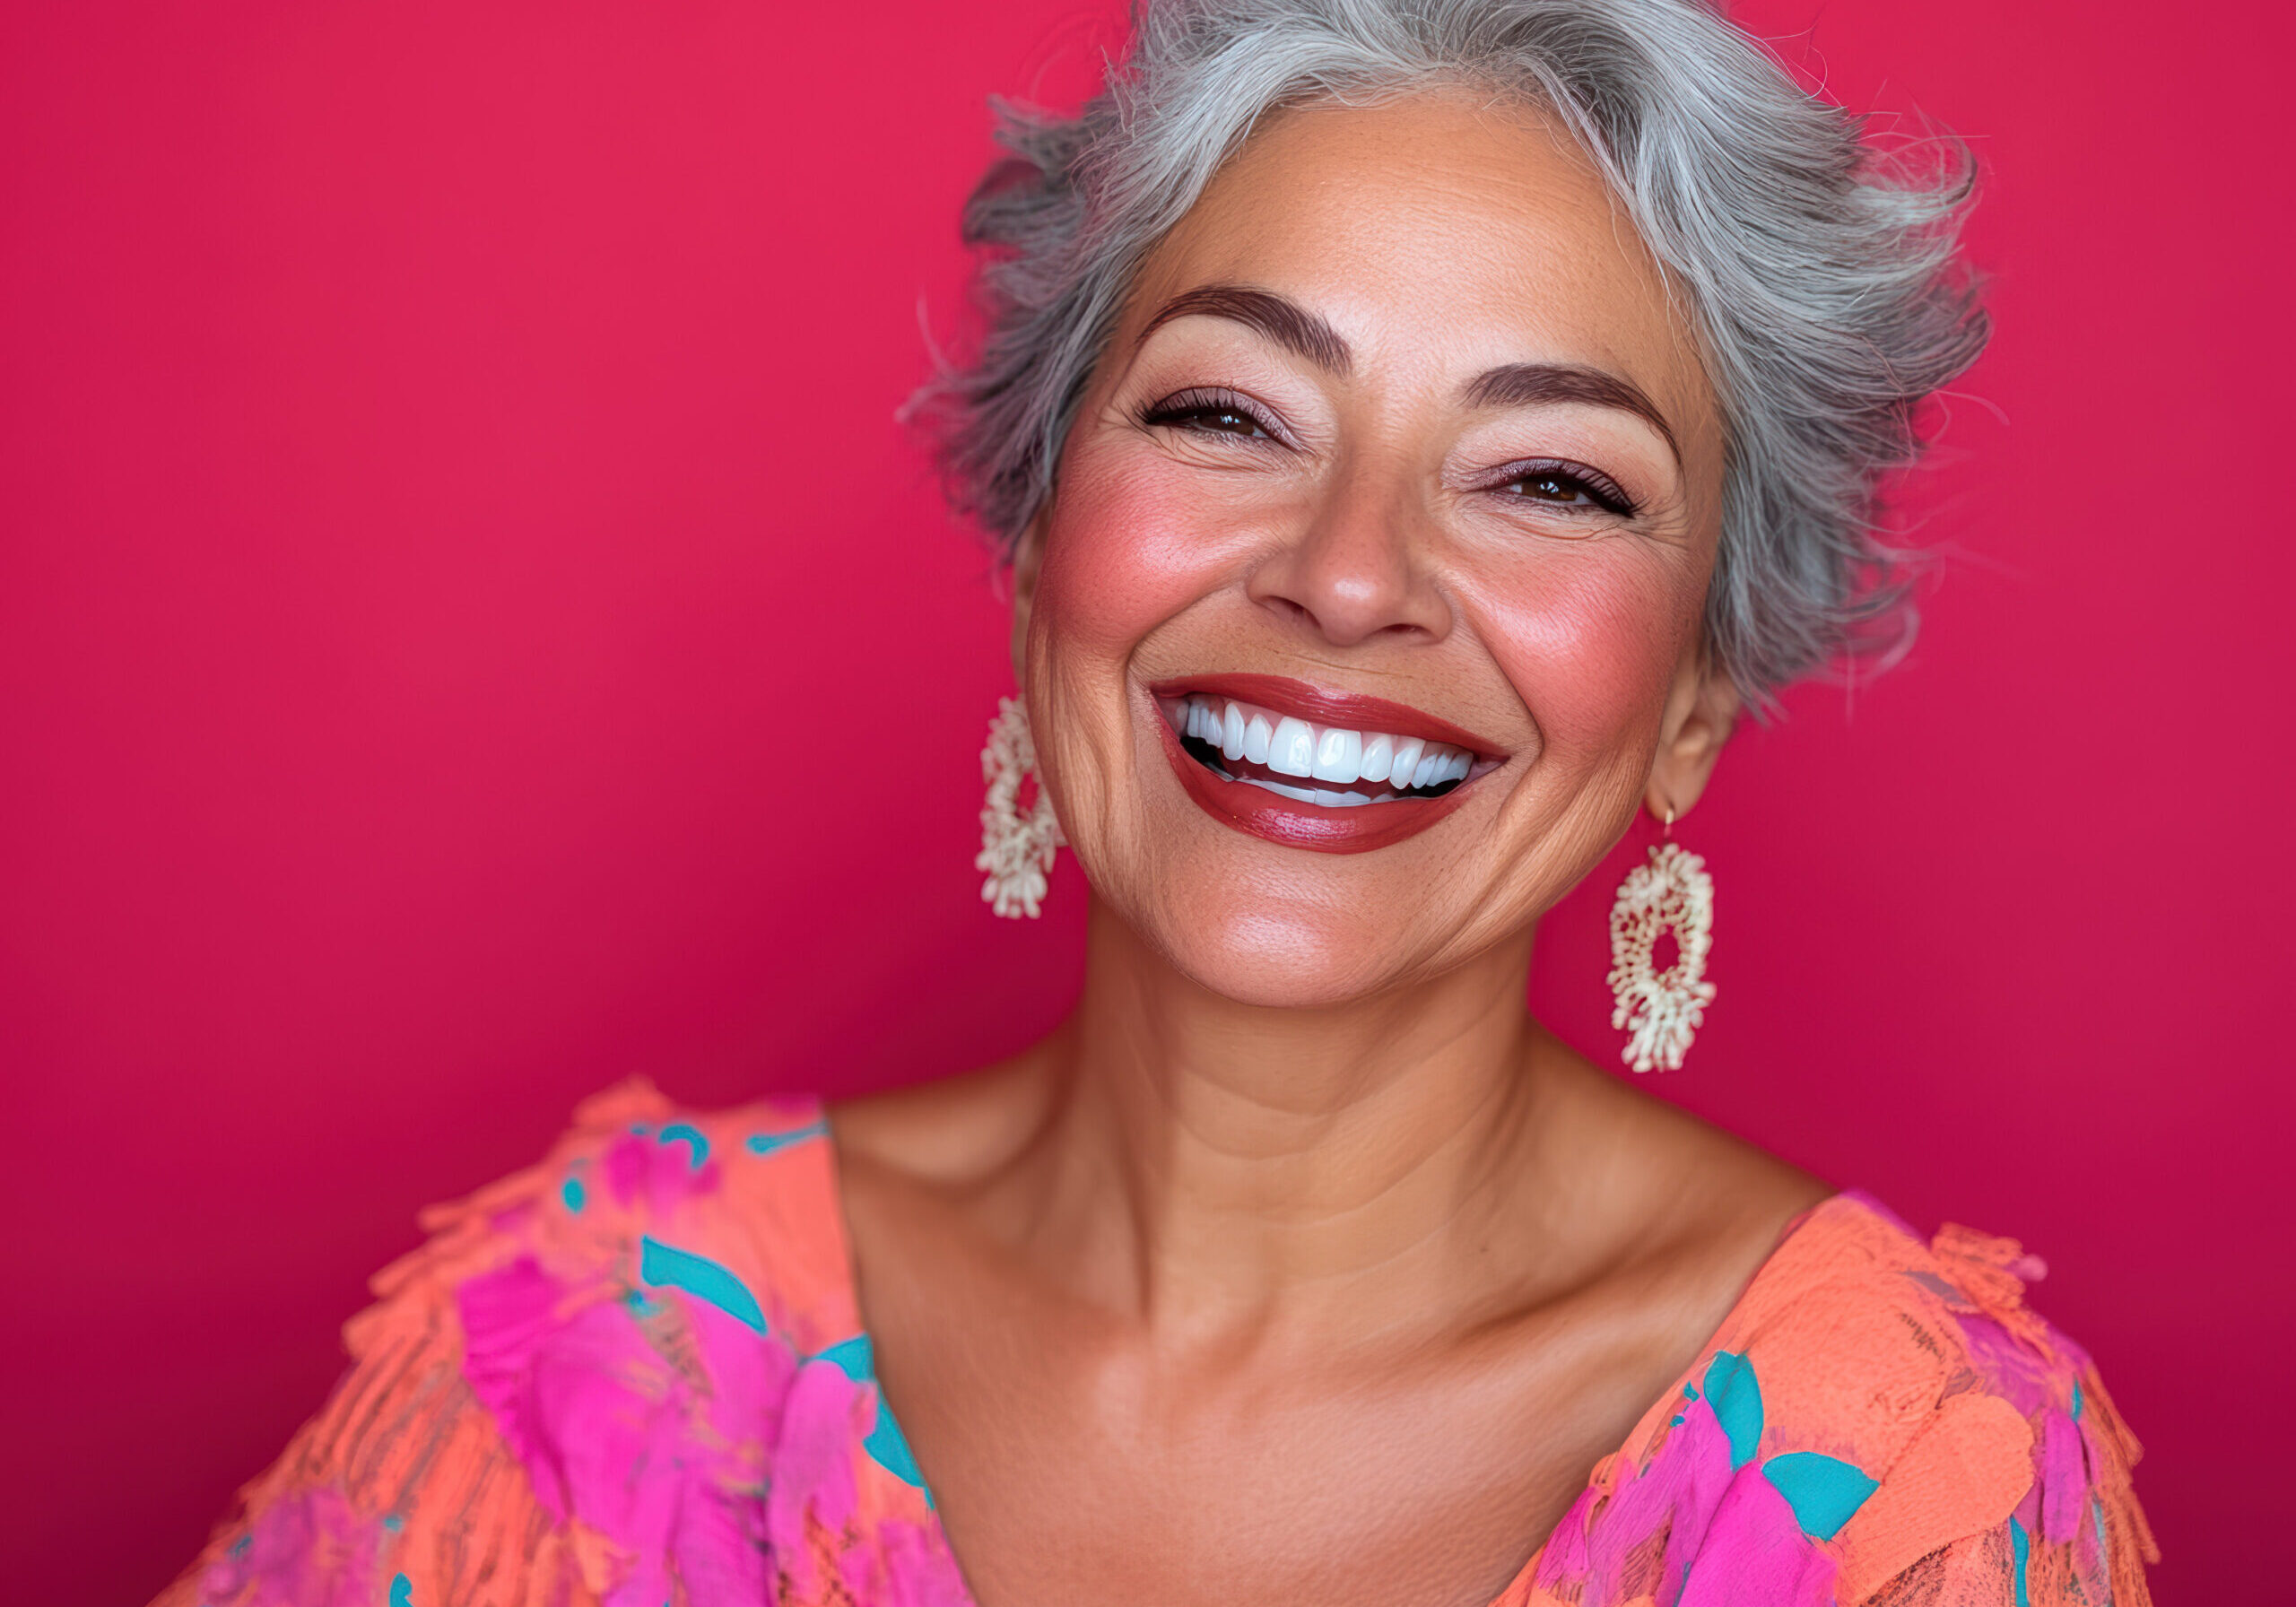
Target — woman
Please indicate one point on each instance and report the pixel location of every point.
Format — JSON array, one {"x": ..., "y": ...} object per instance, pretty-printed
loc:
[{"x": 1418, "y": 426}]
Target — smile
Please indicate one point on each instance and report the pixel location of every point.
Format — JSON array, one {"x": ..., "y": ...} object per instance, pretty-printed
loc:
[
  {"x": 1299, "y": 765},
  {"x": 1257, "y": 746}
]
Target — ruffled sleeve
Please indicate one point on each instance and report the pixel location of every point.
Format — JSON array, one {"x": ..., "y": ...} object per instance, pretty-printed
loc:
[
  {"x": 633, "y": 1374},
  {"x": 1879, "y": 1423},
  {"x": 404, "y": 1474},
  {"x": 2077, "y": 1536}
]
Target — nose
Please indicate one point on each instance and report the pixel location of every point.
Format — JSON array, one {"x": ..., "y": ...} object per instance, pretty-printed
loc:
[{"x": 1357, "y": 569}]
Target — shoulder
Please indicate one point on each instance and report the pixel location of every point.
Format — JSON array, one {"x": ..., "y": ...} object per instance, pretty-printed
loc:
[
  {"x": 1920, "y": 1365},
  {"x": 737, "y": 1208},
  {"x": 667, "y": 1293},
  {"x": 951, "y": 1131},
  {"x": 637, "y": 1188},
  {"x": 1655, "y": 1187},
  {"x": 1881, "y": 1419}
]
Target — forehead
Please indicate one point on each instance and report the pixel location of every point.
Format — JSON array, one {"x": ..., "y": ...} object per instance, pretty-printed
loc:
[{"x": 1439, "y": 232}]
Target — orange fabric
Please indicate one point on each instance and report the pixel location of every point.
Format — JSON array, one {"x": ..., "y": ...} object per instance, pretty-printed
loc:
[
  {"x": 635, "y": 1375},
  {"x": 1963, "y": 1473}
]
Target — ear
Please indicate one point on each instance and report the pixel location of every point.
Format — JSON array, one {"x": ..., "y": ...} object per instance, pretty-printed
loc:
[
  {"x": 1028, "y": 562},
  {"x": 1701, "y": 711}
]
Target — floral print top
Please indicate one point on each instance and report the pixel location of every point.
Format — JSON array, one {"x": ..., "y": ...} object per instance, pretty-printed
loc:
[{"x": 635, "y": 1377}]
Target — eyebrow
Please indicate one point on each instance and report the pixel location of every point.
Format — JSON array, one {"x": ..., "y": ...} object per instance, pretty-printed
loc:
[
  {"x": 1286, "y": 322},
  {"x": 1533, "y": 383},
  {"x": 1514, "y": 384}
]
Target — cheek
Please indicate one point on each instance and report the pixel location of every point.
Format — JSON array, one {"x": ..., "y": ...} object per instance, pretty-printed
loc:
[
  {"x": 1591, "y": 642},
  {"x": 1129, "y": 545}
]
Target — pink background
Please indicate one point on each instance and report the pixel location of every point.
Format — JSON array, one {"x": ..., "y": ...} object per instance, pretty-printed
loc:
[{"x": 471, "y": 629}]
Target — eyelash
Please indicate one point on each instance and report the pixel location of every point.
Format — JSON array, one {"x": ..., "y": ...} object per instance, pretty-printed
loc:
[
  {"x": 1596, "y": 487},
  {"x": 1178, "y": 410}
]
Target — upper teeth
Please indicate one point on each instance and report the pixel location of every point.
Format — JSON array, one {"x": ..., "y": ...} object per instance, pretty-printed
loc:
[{"x": 1296, "y": 747}]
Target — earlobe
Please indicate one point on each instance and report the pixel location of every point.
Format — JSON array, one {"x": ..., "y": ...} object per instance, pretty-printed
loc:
[{"x": 1692, "y": 742}]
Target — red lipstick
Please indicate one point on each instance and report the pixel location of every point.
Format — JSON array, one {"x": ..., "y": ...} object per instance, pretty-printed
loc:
[{"x": 1294, "y": 823}]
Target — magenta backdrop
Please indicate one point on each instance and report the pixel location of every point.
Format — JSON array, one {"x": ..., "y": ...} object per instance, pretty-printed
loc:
[{"x": 471, "y": 629}]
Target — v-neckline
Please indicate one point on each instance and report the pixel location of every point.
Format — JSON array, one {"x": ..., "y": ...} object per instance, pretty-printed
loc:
[{"x": 1518, "y": 1586}]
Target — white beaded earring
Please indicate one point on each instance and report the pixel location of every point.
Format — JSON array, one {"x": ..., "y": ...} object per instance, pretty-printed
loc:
[
  {"x": 1663, "y": 1009},
  {"x": 1015, "y": 850}
]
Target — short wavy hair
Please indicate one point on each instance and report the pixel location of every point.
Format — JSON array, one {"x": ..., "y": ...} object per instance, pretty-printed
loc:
[{"x": 1820, "y": 272}]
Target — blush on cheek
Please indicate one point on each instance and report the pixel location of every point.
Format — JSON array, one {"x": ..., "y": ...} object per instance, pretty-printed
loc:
[
  {"x": 1128, "y": 548},
  {"x": 1592, "y": 645}
]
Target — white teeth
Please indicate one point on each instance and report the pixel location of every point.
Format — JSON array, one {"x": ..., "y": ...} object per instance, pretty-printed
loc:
[
  {"x": 1304, "y": 794},
  {"x": 1257, "y": 736},
  {"x": 1291, "y": 751},
  {"x": 1405, "y": 763},
  {"x": 1379, "y": 753},
  {"x": 1336, "y": 755},
  {"x": 1327, "y": 753},
  {"x": 1322, "y": 796}
]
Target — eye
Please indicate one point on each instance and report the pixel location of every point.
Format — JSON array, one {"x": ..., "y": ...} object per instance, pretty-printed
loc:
[
  {"x": 1211, "y": 412},
  {"x": 1562, "y": 485}
]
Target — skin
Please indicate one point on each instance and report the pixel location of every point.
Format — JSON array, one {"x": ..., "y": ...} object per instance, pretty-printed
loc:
[{"x": 1301, "y": 1263}]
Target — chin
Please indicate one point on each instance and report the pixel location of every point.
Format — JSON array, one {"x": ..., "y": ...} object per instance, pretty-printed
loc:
[{"x": 1274, "y": 952}]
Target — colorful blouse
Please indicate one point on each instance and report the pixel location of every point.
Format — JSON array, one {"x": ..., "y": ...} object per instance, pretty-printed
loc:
[{"x": 635, "y": 1375}]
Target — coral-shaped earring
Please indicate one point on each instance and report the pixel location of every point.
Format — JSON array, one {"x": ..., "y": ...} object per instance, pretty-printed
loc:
[
  {"x": 1015, "y": 849},
  {"x": 1662, "y": 1010}
]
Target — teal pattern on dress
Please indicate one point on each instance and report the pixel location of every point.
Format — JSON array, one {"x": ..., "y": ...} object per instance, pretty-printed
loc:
[
  {"x": 665, "y": 1266},
  {"x": 766, "y": 1144},
  {"x": 1735, "y": 1395},
  {"x": 1824, "y": 1491},
  {"x": 696, "y": 1142},
  {"x": 856, "y": 1359}
]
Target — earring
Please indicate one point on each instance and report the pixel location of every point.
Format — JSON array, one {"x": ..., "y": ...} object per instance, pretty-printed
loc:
[
  {"x": 1662, "y": 1008},
  {"x": 1015, "y": 850}
]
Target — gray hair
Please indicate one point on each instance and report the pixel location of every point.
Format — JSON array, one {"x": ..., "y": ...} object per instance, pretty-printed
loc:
[{"x": 1820, "y": 272}]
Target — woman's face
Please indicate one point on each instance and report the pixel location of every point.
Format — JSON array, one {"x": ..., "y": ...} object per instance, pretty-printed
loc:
[{"x": 1401, "y": 458}]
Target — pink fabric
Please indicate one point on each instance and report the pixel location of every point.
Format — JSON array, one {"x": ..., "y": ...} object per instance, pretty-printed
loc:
[{"x": 658, "y": 1391}]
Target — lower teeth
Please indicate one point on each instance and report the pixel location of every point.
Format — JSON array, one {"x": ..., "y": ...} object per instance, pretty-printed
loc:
[{"x": 1307, "y": 794}]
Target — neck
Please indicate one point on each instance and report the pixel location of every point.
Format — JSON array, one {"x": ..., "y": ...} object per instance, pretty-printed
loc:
[{"x": 1218, "y": 1166}]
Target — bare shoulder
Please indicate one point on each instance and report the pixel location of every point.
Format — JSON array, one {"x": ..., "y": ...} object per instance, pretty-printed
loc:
[
  {"x": 1684, "y": 1186},
  {"x": 951, "y": 1130}
]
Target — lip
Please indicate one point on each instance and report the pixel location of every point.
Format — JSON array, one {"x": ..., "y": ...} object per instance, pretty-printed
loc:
[
  {"x": 1288, "y": 821},
  {"x": 1325, "y": 707}
]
